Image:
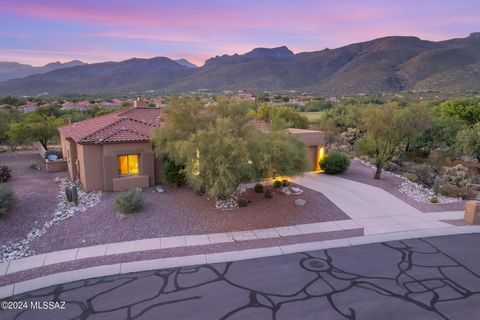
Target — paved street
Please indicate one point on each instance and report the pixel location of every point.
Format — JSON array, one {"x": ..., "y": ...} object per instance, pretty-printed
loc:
[{"x": 432, "y": 278}]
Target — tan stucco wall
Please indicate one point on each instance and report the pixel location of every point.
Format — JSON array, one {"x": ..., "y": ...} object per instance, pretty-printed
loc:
[
  {"x": 110, "y": 166},
  {"x": 69, "y": 150},
  {"x": 311, "y": 138},
  {"x": 90, "y": 158}
]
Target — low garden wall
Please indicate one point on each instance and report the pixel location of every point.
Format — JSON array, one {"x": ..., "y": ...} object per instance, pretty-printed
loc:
[{"x": 56, "y": 165}]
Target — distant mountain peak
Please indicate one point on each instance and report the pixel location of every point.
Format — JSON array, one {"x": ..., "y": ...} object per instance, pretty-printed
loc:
[
  {"x": 278, "y": 52},
  {"x": 474, "y": 35},
  {"x": 186, "y": 63}
]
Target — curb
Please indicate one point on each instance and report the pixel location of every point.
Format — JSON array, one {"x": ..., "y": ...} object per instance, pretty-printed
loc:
[{"x": 173, "y": 262}]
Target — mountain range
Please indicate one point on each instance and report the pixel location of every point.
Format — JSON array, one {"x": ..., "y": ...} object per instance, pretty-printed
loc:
[
  {"x": 388, "y": 64},
  {"x": 13, "y": 70}
]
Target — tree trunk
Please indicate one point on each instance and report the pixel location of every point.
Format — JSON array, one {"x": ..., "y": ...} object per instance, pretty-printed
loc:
[
  {"x": 44, "y": 144},
  {"x": 378, "y": 172}
]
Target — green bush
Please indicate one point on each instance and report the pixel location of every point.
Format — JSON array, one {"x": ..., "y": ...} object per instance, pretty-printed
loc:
[
  {"x": 242, "y": 202},
  {"x": 259, "y": 188},
  {"x": 434, "y": 199},
  {"x": 269, "y": 194},
  {"x": 335, "y": 162},
  {"x": 130, "y": 201},
  {"x": 200, "y": 191},
  {"x": 32, "y": 164},
  {"x": 6, "y": 200},
  {"x": 172, "y": 173},
  {"x": 455, "y": 192},
  {"x": 277, "y": 184},
  {"x": 5, "y": 173},
  {"x": 285, "y": 183}
]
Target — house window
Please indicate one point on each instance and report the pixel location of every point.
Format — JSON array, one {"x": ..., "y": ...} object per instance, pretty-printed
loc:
[{"x": 128, "y": 164}]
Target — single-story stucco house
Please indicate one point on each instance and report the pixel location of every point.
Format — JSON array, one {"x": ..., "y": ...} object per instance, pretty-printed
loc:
[{"x": 113, "y": 152}]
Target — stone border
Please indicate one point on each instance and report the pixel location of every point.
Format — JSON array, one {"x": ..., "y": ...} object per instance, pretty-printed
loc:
[
  {"x": 101, "y": 250},
  {"x": 173, "y": 262}
]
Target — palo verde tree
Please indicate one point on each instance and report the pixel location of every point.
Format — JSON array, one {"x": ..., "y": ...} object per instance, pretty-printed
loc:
[
  {"x": 219, "y": 147},
  {"x": 389, "y": 126},
  {"x": 468, "y": 142},
  {"x": 35, "y": 127}
]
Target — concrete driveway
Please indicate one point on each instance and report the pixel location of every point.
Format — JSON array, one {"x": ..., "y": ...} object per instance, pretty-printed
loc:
[{"x": 373, "y": 208}]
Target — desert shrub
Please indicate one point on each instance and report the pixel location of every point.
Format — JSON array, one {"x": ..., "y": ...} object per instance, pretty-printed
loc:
[
  {"x": 434, "y": 199},
  {"x": 5, "y": 173},
  {"x": 32, "y": 164},
  {"x": 6, "y": 200},
  {"x": 455, "y": 192},
  {"x": 456, "y": 175},
  {"x": 130, "y": 201},
  {"x": 393, "y": 167},
  {"x": 200, "y": 191},
  {"x": 172, "y": 173},
  {"x": 285, "y": 183},
  {"x": 335, "y": 162},
  {"x": 242, "y": 202},
  {"x": 422, "y": 173},
  {"x": 259, "y": 188},
  {"x": 277, "y": 184},
  {"x": 53, "y": 152},
  {"x": 269, "y": 194}
]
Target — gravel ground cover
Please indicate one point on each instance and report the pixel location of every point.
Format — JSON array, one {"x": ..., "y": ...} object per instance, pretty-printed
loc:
[
  {"x": 35, "y": 191},
  {"x": 390, "y": 183},
  {"x": 180, "y": 212}
]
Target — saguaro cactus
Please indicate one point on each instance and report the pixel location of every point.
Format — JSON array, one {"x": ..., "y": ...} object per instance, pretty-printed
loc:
[
  {"x": 75, "y": 195},
  {"x": 68, "y": 194},
  {"x": 436, "y": 185},
  {"x": 71, "y": 194}
]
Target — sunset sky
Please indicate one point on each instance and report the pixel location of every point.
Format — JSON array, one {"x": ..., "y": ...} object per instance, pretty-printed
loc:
[{"x": 38, "y": 32}]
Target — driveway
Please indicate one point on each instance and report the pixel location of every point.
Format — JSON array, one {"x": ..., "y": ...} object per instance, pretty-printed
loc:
[
  {"x": 424, "y": 279},
  {"x": 373, "y": 208}
]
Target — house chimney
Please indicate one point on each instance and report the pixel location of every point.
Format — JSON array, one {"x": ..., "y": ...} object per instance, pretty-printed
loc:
[{"x": 69, "y": 119}]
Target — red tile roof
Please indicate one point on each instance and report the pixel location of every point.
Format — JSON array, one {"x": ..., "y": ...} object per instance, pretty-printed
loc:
[{"x": 132, "y": 125}]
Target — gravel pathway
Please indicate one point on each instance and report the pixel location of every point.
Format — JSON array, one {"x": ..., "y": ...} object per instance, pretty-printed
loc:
[
  {"x": 35, "y": 191},
  {"x": 181, "y": 212},
  {"x": 390, "y": 183}
]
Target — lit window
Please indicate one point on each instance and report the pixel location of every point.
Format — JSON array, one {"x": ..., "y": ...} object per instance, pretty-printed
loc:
[{"x": 128, "y": 164}]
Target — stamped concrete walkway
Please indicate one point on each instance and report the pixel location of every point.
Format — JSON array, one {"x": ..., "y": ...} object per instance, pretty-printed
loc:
[{"x": 373, "y": 208}]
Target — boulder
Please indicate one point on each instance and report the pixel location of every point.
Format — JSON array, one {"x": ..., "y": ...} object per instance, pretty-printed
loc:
[{"x": 300, "y": 202}]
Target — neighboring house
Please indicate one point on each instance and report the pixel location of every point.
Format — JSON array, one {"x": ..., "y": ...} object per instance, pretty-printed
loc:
[
  {"x": 29, "y": 107},
  {"x": 113, "y": 152},
  {"x": 80, "y": 106}
]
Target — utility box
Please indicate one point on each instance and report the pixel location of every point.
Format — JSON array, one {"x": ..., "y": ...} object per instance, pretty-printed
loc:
[{"x": 472, "y": 212}]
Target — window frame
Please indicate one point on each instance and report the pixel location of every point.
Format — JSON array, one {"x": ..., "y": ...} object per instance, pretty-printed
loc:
[{"x": 128, "y": 166}]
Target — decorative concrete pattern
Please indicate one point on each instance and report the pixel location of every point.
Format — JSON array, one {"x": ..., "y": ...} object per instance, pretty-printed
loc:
[
  {"x": 410, "y": 279},
  {"x": 136, "y": 266}
]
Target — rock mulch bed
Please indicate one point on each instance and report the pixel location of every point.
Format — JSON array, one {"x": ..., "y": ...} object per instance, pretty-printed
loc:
[
  {"x": 64, "y": 210},
  {"x": 414, "y": 190},
  {"x": 179, "y": 211},
  {"x": 421, "y": 194}
]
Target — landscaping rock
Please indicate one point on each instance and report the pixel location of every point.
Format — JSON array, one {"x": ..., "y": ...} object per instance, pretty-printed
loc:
[
  {"x": 422, "y": 194},
  {"x": 160, "y": 189},
  {"x": 227, "y": 204},
  {"x": 300, "y": 202},
  {"x": 63, "y": 211},
  {"x": 288, "y": 191}
]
